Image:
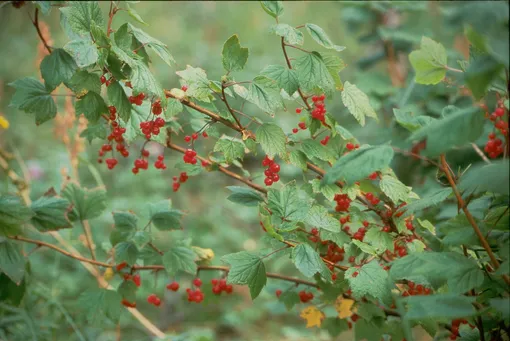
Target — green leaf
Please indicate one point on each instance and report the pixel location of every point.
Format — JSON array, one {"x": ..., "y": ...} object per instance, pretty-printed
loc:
[
  {"x": 318, "y": 34},
  {"x": 380, "y": 240},
  {"x": 314, "y": 149},
  {"x": 80, "y": 15},
  {"x": 31, "y": 96},
  {"x": 334, "y": 325},
  {"x": 263, "y": 92},
  {"x": 144, "y": 81},
  {"x": 298, "y": 159},
  {"x": 83, "y": 51},
  {"x": 125, "y": 221},
  {"x": 481, "y": 73},
  {"x": 287, "y": 204},
  {"x": 157, "y": 46},
  {"x": 167, "y": 220},
  {"x": 197, "y": 82},
  {"x": 308, "y": 261},
  {"x": 94, "y": 131},
  {"x": 289, "y": 298},
  {"x": 439, "y": 306},
  {"x": 118, "y": 98},
  {"x": 329, "y": 191},
  {"x": 246, "y": 268},
  {"x": 289, "y": 33},
  {"x": 12, "y": 262},
  {"x": 244, "y": 196},
  {"x": 394, "y": 189},
  {"x": 364, "y": 247},
  {"x": 179, "y": 258},
  {"x": 410, "y": 122},
  {"x": 364, "y": 330},
  {"x": 126, "y": 252},
  {"x": 128, "y": 289},
  {"x": 460, "y": 273},
  {"x": 99, "y": 35},
  {"x": 339, "y": 238},
  {"x": 319, "y": 217},
  {"x": 334, "y": 65},
  {"x": 50, "y": 214},
  {"x": 98, "y": 303},
  {"x": 359, "y": 164},
  {"x": 13, "y": 213},
  {"x": 87, "y": 204},
  {"x": 431, "y": 199},
  {"x": 502, "y": 305},
  {"x": 44, "y": 6},
  {"x": 313, "y": 73},
  {"x": 486, "y": 178},
  {"x": 372, "y": 280},
  {"x": 234, "y": 57},
  {"x": 83, "y": 82},
  {"x": 231, "y": 148},
  {"x": 357, "y": 103},
  {"x": 429, "y": 62},
  {"x": 285, "y": 78},
  {"x": 12, "y": 293},
  {"x": 134, "y": 14},
  {"x": 92, "y": 106},
  {"x": 454, "y": 130},
  {"x": 272, "y": 139},
  {"x": 273, "y": 8}
]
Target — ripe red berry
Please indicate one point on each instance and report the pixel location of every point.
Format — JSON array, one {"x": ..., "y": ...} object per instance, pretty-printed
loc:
[
  {"x": 354, "y": 317},
  {"x": 349, "y": 146},
  {"x": 315, "y": 98},
  {"x": 112, "y": 110},
  {"x": 314, "y": 231},
  {"x": 365, "y": 223},
  {"x": 174, "y": 286},
  {"x": 197, "y": 282},
  {"x": 302, "y": 125},
  {"x": 102, "y": 79},
  {"x": 278, "y": 293},
  {"x": 355, "y": 274},
  {"x": 499, "y": 112},
  {"x": 204, "y": 134},
  {"x": 268, "y": 181},
  {"x": 121, "y": 266},
  {"x": 137, "y": 280},
  {"x": 184, "y": 88},
  {"x": 295, "y": 130},
  {"x": 298, "y": 110},
  {"x": 275, "y": 168},
  {"x": 128, "y": 304},
  {"x": 194, "y": 136}
]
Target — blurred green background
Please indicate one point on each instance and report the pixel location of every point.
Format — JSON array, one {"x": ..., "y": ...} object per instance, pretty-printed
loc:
[{"x": 195, "y": 33}]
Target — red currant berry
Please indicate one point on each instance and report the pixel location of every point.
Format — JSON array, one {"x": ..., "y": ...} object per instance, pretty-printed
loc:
[
  {"x": 174, "y": 286},
  {"x": 197, "y": 282},
  {"x": 298, "y": 110}
]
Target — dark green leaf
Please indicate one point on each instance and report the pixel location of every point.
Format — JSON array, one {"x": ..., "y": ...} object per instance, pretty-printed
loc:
[
  {"x": 371, "y": 280},
  {"x": 57, "y": 68},
  {"x": 92, "y": 106},
  {"x": 12, "y": 262},
  {"x": 319, "y": 217},
  {"x": 99, "y": 302},
  {"x": 231, "y": 148},
  {"x": 31, "y": 96},
  {"x": 286, "y": 78},
  {"x": 244, "y": 196},
  {"x": 157, "y": 46},
  {"x": 50, "y": 213},
  {"x": 83, "y": 81},
  {"x": 308, "y": 261},
  {"x": 13, "y": 213},
  {"x": 118, "y": 98},
  {"x": 167, "y": 220},
  {"x": 480, "y": 74},
  {"x": 246, "y": 269},
  {"x": 447, "y": 306},
  {"x": 287, "y": 203},
  {"x": 410, "y": 122},
  {"x": 490, "y": 178},
  {"x": 429, "y": 200},
  {"x": 87, "y": 204},
  {"x": 263, "y": 92},
  {"x": 126, "y": 252},
  {"x": 125, "y": 221},
  {"x": 318, "y": 34},
  {"x": 94, "y": 131},
  {"x": 179, "y": 258},
  {"x": 80, "y": 15},
  {"x": 313, "y": 73},
  {"x": 83, "y": 51}
]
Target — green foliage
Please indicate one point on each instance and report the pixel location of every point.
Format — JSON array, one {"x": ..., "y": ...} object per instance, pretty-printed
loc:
[
  {"x": 234, "y": 56},
  {"x": 308, "y": 261},
  {"x": 357, "y": 103},
  {"x": 318, "y": 34},
  {"x": 87, "y": 204},
  {"x": 50, "y": 213},
  {"x": 34, "y": 98},
  {"x": 247, "y": 268},
  {"x": 272, "y": 139},
  {"x": 429, "y": 62},
  {"x": 244, "y": 196}
]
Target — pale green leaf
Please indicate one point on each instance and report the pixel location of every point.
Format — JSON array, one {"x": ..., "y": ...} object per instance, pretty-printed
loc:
[{"x": 357, "y": 103}]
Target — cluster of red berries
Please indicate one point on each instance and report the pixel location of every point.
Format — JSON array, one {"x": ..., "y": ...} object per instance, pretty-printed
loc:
[
  {"x": 372, "y": 198},
  {"x": 271, "y": 171},
  {"x": 455, "y": 327},
  {"x": 319, "y": 110},
  {"x": 351, "y": 146},
  {"x": 409, "y": 224},
  {"x": 105, "y": 81},
  {"x": 160, "y": 164},
  {"x": 416, "y": 290},
  {"x": 494, "y": 146},
  {"x": 154, "y": 300},
  {"x": 360, "y": 234},
  {"x": 220, "y": 285},
  {"x": 305, "y": 296},
  {"x": 174, "y": 286},
  {"x": 342, "y": 202},
  {"x": 325, "y": 140},
  {"x": 398, "y": 214},
  {"x": 400, "y": 250},
  {"x": 183, "y": 177},
  {"x": 156, "y": 108},
  {"x": 301, "y": 125},
  {"x": 335, "y": 253},
  {"x": 152, "y": 127},
  {"x": 189, "y": 156},
  {"x": 195, "y": 295},
  {"x": 138, "y": 99}
]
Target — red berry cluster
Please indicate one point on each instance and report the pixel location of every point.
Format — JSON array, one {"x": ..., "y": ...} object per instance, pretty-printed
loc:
[
  {"x": 351, "y": 146},
  {"x": 335, "y": 253},
  {"x": 409, "y": 224},
  {"x": 138, "y": 99},
  {"x": 455, "y": 327},
  {"x": 220, "y": 285},
  {"x": 373, "y": 176},
  {"x": 128, "y": 304},
  {"x": 196, "y": 295},
  {"x": 105, "y": 81},
  {"x": 319, "y": 110},
  {"x": 372, "y": 198},
  {"x": 342, "y": 202},
  {"x": 152, "y": 127},
  {"x": 415, "y": 290},
  {"x": 305, "y": 296},
  {"x": 271, "y": 172},
  {"x": 494, "y": 146},
  {"x": 189, "y": 156},
  {"x": 174, "y": 286},
  {"x": 360, "y": 234},
  {"x": 399, "y": 214},
  {"x": 400, "y": 249},
  {"x": 183, "y": 177},
  {"x": 154, "y": 300},
  {"x": 325, "y": 140}
]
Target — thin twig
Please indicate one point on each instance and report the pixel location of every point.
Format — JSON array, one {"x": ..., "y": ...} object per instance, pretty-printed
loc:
[
  {"x": 88, "y": 236},
  {"x": 224, "y": 99},
  {"x": 480, "y": 153},
  {"x": 289, "y": 65},
  {"x": 453, "y": 69},
  {"x": 298, "y": 48},
  {"x": 470, "y": 218},
  {"x": 35, "y": 22},
  {"x": 417, "y": 156}
]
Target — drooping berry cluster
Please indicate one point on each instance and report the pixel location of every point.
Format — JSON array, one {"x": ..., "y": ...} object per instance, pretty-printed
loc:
[
  {"x": 174, "y": 286},
  {"x": 415, "y": 290},
  {"x": 196, "y": 295},
  {"x": 189, "y": 156},
  {"x": 106, "y": 81},
  {"x": 137, "y": 99},
  {"x": 154, "y": 300},
  {"x": 220, "y": 285},
  {"x": 351, "y": 146},
  {"x": 152, "y": 127},
  {"x": 372, "y": 198},
  {"x": 183, "y": 177},
  {"x": 342, "y": 202},
  {"x": 319, "y": 108},
  {"x": 494, "y": 146},
  {"x": 271, "y": 171},
  {"x": 305, "y": 296}
]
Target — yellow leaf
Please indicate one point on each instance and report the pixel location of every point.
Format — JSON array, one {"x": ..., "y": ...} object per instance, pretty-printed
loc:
[
  {"x": 344, "y": 307},
  {"x": 108, "y": 274},
  {"x": 3, "y": 122},
  {"x": 313, "y": 316},
  {"x": 203, "y": 254}
]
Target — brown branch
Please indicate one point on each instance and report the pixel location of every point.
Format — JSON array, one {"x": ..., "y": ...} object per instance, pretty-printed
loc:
[
  {"x": 221, "y": 169},
  {"x": 470, "y": 218},
  {"x": 111, "y": 14},
  {"x": 290, "y": 67},
  {"x": 35, "y": 22},
  {"x": 88, "y": 236},
  {"x": 224, "y": 99},
  {"x": 417, "y": 156}
]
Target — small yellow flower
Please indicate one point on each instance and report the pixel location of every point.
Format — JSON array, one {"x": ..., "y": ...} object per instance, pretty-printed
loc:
[{"x": 3, "y": 122}]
